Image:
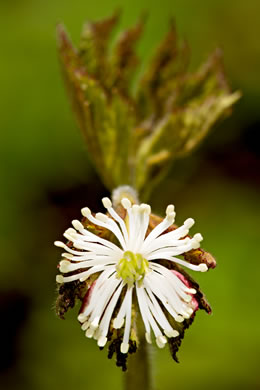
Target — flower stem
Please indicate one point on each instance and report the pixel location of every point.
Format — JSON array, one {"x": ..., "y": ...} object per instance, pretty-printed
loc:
[{"x": 138, "y": 374}]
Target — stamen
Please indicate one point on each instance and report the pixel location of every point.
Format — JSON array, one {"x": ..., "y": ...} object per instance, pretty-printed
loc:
[
  {"x": 64, "y": 266},
  {"x": 132, "y": 263},
  {"x": 126, "y": 203},
  {"x": 148, "y": 337},
  {"x": 191, "y": 290},
  {"x": 70, "y": 234},
  {"x": 161, "y": 341},
  {"x": 95, "y": 322},
  {"x": 203, "y": 267},
  {"x": 59, "y": 279},
  {"x": 77, "y": 225},
  {"x": 102, "y": 217},
  {"x": 124, "y": 347},
  {"x": 86, "y": 212},
  {"x": 125, "y": 344},
  {"x": 145, "y": 208},
  {"x": 104, "y": 325},
  {"x": 189, "y": 223},
  {"x": 160, "y": 228},
  {"x": 90, "y": 332},
  {"x": 143, "y": 308},
  {"x": 170, "y": 209},
  {"x": 60, "y": 244},
  {"x": 85, "y": 326},
  {"x": 82, "y": 317},
  {"x": 107, "y": 223},
  {"x": 107, "y": 203},
  {"x": 179, "y": 318},
  {"x": 171, "y": 333},
  {"x": 102, "y": 341},
  {"x": 118, "y": 323},
  {"x": 198, "y": 237}
]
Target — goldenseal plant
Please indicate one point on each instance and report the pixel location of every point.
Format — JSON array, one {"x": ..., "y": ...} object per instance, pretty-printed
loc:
[{"x": 126, "y": 264}]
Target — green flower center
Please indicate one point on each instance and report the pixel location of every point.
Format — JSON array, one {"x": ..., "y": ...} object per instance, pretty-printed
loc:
[{"x": 132, "y": 268}]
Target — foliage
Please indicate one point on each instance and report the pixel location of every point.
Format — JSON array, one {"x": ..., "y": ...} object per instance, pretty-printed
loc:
[{"x": 133, "y": 137}]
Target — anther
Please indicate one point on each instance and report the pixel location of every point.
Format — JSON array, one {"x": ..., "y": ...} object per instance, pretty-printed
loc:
[
  {"x": 191, "y": 291},
  {"x": 89, "y": 333},
  {"x": 77, "y": 225},
  {"x": 195, "y": 244},
  {"x": 70, "y": 237},
  {"x": 94, "y": 323},
  {"x": 107, "y": 203},
  {"x": 189, "y": 223},
  {"x": 170, "y": 217},
  {"x": 145, "y": 208},
  {"x": 126, "y": 203},
  {"x": 86, "y": 212},
  {"x": 70, "y": 231},
  {"x": 102, "y": 341},
  {"x": 59, "y": 279},
  {"x": 135, "y": 208},
  {"x": 179, "y": 319},
  {"x": 124, "y": 347},
  {"x": 65, "y": 266},
  {"x": 161, "y": 341},
  {"x": 171, "y": 333},
  {"x": 198, "y": 237},
  {"x": 148, "y": 337},
  {"x": 102, "y": 217},
  {"x": 170, "y": 209},
  {"x": 60, "y": 244},
  {"x": 85, "y": 325},
  {"x": 82, "y": 317},
  {"x": 118, "y": 323},
  {"x": 68, "y": 256},
  {"x": 203, "y": 267}
]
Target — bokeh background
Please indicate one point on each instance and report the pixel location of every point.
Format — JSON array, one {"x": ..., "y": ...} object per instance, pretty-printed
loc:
[{"x": 46, "y": 177}]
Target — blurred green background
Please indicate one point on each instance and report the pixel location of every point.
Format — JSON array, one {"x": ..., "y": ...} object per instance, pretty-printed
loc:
[{"x": 46, "y": 178}]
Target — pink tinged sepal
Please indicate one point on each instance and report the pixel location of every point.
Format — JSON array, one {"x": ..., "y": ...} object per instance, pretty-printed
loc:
[{"x": 193, "y": 303}]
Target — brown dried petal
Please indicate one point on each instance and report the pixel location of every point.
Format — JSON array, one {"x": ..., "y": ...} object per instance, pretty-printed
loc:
[{"x": 197, "y": 256}]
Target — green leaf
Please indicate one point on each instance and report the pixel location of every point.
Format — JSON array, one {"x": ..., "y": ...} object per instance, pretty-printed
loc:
[{"x": 93, "y": 47}]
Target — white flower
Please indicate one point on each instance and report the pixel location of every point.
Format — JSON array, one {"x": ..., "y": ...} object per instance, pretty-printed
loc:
[{"x": 131, "y": 266}]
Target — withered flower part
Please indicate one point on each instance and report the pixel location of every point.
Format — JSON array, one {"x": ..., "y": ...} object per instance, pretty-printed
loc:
[{"x": 128, "y": 266}]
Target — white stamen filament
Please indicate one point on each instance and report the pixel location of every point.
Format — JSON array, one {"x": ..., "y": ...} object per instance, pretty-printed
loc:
[
  {"x": 104, "y": 325},
  {"x": 125, "y": 344}
]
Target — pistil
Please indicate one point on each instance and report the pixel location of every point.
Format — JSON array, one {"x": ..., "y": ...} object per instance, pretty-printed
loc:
[{"x": 132, "y": 268}]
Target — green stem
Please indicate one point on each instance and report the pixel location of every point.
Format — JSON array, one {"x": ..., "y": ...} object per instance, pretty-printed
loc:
[{"x": 138, "y": 374}]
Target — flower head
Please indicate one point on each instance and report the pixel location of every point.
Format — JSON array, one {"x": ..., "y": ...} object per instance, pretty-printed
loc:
[{"x": 136, "y": 269}]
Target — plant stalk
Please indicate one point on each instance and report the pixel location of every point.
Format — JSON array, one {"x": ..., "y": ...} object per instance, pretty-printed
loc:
[{"x": 138, "y": 374}]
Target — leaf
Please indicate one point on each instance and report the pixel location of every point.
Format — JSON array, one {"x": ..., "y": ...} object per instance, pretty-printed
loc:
[
  {"x": 179, "y": 132},
  {"x": 135, "y": 139},
  {"x": 124, "y": 59},
  {"x": 93, "y": 47},
  {"x": 169, "y": 63},
  {"x": 76, "y": 81}
]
